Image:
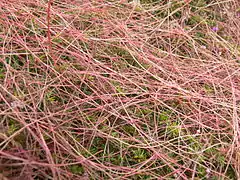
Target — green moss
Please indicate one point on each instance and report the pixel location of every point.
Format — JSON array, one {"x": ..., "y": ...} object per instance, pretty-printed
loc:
[
  {"x": 163, "y": 116},
  {"x": 61, "y": 68},
  {"x": 116, "y": 160},
  {"x": 200, "y": 35},
  {"x": 194, "y": 144},
  {"x": 149, "y": 1},
  {"x": 194, "y": 20},
  {"x": 140, "y": 177},
  {"x": 52, "y": 96},
  {"x": 208, "y": 89},
  {"x": 91, "y": 118},
  {"x": 118, "y": 87},
  {"x": 13, "y": 126},
  {"x": 199, "y": 3},
  {"x": 33, "y": 28},
  {"x": 21, "y": 138},
  {"x": 115, "y": 134},
  {"x": 85, "y": 88},
  {"x": 77, "y": 169},
  {"x": 97, "y": 145},
  {"x": 201, "y": 171},
  {"x": 57, "y": 40},
  {"x": 221, "y": 159},
  {"x": 145, "y": 111},
  {"x": 211, "y": 22},
  {"x": 140, "y": 155},
  {"x": 129, "y": 129},
  {"x": 173, "y": 129},
  {"x": 174, "y": 10},
  {"x": 14, "y": 61},
  {"x": 77, "y": 66},
  {"x": 2, "y": 71}
]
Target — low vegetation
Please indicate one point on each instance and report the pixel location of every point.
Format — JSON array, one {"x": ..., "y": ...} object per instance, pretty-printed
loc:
[{"x": 120, "y": 90}]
